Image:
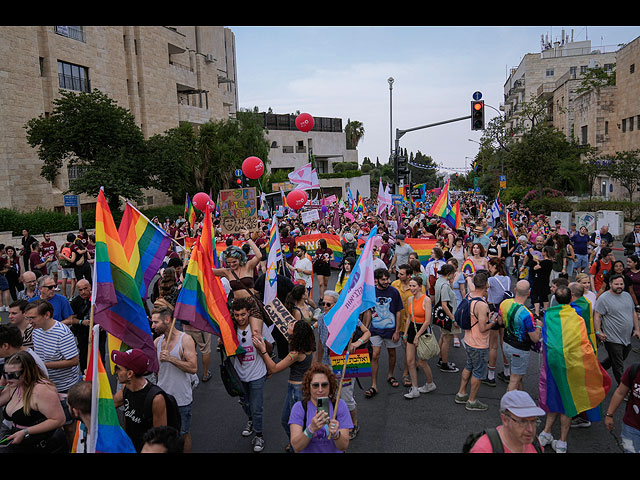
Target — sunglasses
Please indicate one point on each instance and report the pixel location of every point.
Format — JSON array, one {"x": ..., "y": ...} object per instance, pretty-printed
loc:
[
  {"x": 12, "y": 375},
  {"x": 317, "y": 385},
  {"x": 48, "y": 286}
]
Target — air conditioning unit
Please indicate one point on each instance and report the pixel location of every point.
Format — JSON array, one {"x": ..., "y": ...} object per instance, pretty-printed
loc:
[{"x": 209, "y": 58}]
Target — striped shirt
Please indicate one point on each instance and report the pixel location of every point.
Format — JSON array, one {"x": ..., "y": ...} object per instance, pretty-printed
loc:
[{"x": 55, "y": 344}]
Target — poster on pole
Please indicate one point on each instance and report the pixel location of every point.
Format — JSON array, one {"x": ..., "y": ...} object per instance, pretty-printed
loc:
[
  {"x": 310, "y": 216},
  {"x": 239, "y": 210}
]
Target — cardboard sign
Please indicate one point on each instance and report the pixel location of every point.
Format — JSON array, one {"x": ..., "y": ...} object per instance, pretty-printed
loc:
[
  {"x": 358, "y": 365},
  {"x": 310, "y": 216},
  {"x": 238, "y": 210},
  {"x": 280, "y": 316}
]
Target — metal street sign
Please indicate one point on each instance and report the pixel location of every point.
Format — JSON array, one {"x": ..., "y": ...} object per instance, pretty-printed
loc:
[
  {"x": 238, "y": 172},
  {"x": 71, "y": 200},
  {"x": 477, "y": 96}
]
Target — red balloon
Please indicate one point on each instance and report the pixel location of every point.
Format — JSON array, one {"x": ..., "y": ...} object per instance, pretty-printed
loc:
[
  {"x": 304, "y": 122},
  {"x": 296, "y": 199},
  {"x": 252, "y": 167},
  {"x": 200, "y": 200}
]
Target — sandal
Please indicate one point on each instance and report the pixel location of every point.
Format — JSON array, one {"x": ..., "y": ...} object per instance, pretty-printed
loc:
[
  {"x": 393, "y": 382},
  {"x": 207, "y": 377},
  {"x": 371, "y": 392},
  {"x": 406, "y": 381}
]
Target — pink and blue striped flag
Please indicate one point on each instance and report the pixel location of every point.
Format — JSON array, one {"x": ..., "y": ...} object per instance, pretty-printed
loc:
[{"x": 359, "y": 295}]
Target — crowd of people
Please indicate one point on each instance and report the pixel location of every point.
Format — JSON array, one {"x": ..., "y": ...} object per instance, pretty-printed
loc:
[{"x": 516, "y": 279}]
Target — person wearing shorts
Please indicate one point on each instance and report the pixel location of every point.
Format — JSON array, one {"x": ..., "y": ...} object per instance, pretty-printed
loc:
[{"x": 521, "y": 330}]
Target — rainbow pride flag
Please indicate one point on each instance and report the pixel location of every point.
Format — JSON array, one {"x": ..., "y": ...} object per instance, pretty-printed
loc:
[
  {"x": 510, "y": 228},
  {"x": 145, "y": 246},
  {"x": 190, "y": 212},
  {"x": 468, "y": 267},
  {"x": 441, "y": 206},
  {"x": 202, "y": 301},
  {"x": 571, "y": 377},
  {"x": 105, "y": 433},
  {"x": 423, "y": 247},
  {"x": 333, "y": 243},
  {"x": 116, "y": 298},
  {"x": 453, "y": 218}
]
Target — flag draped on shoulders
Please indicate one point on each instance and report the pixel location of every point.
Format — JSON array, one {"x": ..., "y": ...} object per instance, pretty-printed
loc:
[
  {"x": 571, "y": 377},
  {"x": 202, "y": 301},
  {"x": 117, "y": 302},
  {"x": 357, "y": 296},
  {"x": 145, "y": 246}
]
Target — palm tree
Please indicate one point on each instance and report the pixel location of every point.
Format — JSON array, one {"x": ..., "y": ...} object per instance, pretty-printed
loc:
[{"x": 354, "y": 132}]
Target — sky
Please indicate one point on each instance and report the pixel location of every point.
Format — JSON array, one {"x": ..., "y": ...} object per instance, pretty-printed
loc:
[{"x": 342, "y": 72}]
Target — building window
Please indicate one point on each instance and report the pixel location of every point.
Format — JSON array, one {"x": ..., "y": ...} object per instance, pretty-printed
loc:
[
  {"x": 75, "y": 33},
  {"x": 624, "y": 125},
  {"x": 606, "y": 128},
  {"x": 631, "y": 124},
  {"x": 287, "y": 149},
  {"x": 549, "y": 72},
  {"x": 584, "y": 135},
  {"x": 73, "y": 77},
  {"x": 632, "y": 68}
]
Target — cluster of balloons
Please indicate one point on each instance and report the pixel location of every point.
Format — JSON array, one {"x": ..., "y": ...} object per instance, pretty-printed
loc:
[{"x": 253, "y": 168}]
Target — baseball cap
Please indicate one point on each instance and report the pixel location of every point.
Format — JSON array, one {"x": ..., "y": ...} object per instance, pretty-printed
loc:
[
  {"x": 400, "y": 236},
  {"x": 134, "y": 359},
  {"x": 520, "y": 404}
]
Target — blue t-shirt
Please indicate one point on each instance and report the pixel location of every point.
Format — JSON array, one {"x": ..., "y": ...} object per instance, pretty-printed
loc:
[
  {"x": 383, "y": 316},
  {"x": 580, "y": 244},
  {"x": 61, "y": 307}
]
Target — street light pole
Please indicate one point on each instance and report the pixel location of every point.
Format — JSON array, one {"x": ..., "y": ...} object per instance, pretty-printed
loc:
[{"x": 391, "y": 151}]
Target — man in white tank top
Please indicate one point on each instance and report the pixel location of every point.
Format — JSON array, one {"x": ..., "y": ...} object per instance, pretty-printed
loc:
[{"x": 178, "y": 363}]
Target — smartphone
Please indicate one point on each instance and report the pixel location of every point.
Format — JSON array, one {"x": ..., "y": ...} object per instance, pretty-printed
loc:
[{"x": 323, "y": 404}]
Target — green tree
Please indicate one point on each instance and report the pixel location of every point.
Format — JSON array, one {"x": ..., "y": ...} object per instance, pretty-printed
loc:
[
  {"x": 354, "y": 131},
  {"x": 625, "y": 168},
  {"x": 90, "y": 131},
  {"x": 596, "y": 78}
]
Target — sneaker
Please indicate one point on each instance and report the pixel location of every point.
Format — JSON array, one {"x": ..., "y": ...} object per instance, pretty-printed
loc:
[
  {"x": 353, "y": 433},
  {"x": 449, "y": 367},
  {"x": 491, "y": 383},
  {"x": 503, "y": 377},
  {"x": 456, "y": 342},
  {"x": 545, "y": 438},
  {"x": 413, "y": 393},
  {"x": 559, "y": 446},
  {"x": 579, "y": 422},
  {"x": 477, "y": 406},
  {"x": 258, "y": 443},
  {"x": 462, "y": 399},
  {"x": 427, "y": 387},
  {"x": 248, "y": 430}
]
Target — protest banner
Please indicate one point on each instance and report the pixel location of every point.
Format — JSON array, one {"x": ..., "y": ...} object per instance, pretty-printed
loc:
[
  {"x": 280, "y": 316},
  {"x": 238, "y": 210},
  {"x": 358, "y": 365}
]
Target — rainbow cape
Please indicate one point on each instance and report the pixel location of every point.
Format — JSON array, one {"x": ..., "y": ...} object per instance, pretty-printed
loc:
[
  {"x": 116, "y": 298},
  {"x": 571, "y": 377},
  {"x": 423, "y": 247},
  {"x": 441, "y": 206},
  {"x": 468, "y": 267},
  {"x": 107, "y": 436},
  {"x": 202, "y": 301},
  {"x": 145, "y": 246}
]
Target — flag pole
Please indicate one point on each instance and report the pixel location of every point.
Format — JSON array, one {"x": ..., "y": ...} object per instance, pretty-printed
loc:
[{"x": 344, "y": 368}]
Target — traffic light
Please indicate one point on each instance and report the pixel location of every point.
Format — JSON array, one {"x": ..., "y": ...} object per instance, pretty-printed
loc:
[
  {"x": 477, "y": 115},
  {"x": 401, "y": 169},
  {"x": 239, "y": 182}
]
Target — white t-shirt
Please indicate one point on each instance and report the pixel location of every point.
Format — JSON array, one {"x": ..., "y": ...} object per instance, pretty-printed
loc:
[
  {"x": 250, "y": 365},
  {"x": 304, "y": 264}
]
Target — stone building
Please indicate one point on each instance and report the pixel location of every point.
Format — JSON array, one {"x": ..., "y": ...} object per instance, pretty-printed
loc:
[{"x": 163, "y": 75}]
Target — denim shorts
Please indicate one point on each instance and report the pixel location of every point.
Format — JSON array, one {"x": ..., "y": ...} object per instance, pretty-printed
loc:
[
  {"x": 630, "y": 439},
  {"x": 185, "y": 416},
  {"x": 582, "y": 261},
  {"x": 518, "y": 359},
  {"x": 477, "y": 361}
]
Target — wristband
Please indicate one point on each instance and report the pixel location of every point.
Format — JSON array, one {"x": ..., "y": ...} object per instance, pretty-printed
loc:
[{"x": 307, "y": 433}]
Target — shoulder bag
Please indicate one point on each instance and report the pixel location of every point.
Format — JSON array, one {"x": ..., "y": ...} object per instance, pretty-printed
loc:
[{"x": 427, "y": 344}]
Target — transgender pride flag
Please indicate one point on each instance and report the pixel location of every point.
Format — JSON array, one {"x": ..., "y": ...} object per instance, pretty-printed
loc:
[{"x": 356, "y": 297}]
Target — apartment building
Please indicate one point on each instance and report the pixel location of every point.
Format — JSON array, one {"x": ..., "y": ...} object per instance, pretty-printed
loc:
[{"x": 162, "y": 74}]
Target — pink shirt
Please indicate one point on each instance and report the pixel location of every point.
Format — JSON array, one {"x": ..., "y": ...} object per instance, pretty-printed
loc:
[{"x": 483, "y": 445}]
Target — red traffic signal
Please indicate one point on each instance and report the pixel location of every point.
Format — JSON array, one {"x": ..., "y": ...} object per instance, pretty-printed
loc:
[{"x": 477, "y": 115}]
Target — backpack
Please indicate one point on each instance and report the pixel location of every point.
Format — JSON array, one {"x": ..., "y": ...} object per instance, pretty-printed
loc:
[
  {"x": 494, "y": 438},
  {"x": 462, "y": 315},
  {"x": 66, "y": 251},
  {"x": 173, "y": 414}
]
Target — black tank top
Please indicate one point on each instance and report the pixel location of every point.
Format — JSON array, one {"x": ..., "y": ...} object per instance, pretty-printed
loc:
[{"x": 136, "y": 422}]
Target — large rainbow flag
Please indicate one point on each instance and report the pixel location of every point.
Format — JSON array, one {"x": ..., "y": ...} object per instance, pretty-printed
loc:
[
  {"x": 510, "y": 228},
  {"x": 571, "y": 377},
  {"x": 453, "y": 217},
  {"x": 116, "y": 298},
  {"x": 105, "y": 433},
  {"x": 145, "y": 246},
  {"x": 333, "y": 243},
  {"x": 202, "y": 301},
  {"x": 423, "y": 247},
  {"x": 442, "y": 205}
]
